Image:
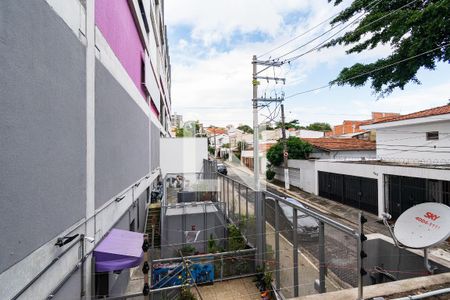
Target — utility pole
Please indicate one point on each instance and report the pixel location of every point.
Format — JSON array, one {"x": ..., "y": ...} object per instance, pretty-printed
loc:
[
  {"x": 259, "y": 205},
  {"x": 285, "y": 150}
]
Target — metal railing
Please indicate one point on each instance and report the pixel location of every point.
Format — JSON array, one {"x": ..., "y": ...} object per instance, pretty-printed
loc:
[{"x": 313, "y": 255}]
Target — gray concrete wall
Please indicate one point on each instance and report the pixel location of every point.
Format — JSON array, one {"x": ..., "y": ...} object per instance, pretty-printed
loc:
[
  {"x": 42, "y": 128},
  {"x": 142, "y": 211},
  {"x": 122, "y": 138},
  {"x": 154, "y": 146},
  {"x": 71, "y": 289}
]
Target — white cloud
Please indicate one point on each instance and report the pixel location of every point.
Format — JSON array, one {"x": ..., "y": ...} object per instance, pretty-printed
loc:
[{"x": 213, "y": 85}]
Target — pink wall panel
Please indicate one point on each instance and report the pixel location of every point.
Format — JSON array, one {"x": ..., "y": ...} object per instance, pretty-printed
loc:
[{"x": 115, "y": 21}]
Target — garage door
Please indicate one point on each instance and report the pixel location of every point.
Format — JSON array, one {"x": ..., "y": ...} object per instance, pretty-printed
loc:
[{"x": 358, "y": 192}]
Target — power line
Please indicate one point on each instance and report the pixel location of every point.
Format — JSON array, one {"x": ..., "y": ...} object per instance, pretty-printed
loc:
[
  {"x": 354, "y": 21},
  {"x": 298, "y": 36},
  {"x": 322, "y": 34},
  {"x": 370, "y": 72}
]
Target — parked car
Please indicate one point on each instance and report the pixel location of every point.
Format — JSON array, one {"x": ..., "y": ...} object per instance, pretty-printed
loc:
[
  {"x": 222, "y": 169},
  {"x": 307, "y": 226}
]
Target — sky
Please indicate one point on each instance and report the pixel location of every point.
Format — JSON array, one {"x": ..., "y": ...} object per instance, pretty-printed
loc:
[{"x": 211, "y": 45}]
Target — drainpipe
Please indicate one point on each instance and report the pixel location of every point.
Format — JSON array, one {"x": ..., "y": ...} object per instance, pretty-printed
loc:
[{"x": 82, "y": 289}]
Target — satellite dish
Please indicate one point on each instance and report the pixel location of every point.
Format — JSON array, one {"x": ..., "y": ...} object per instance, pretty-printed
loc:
[{"x": 423, "y": 225}]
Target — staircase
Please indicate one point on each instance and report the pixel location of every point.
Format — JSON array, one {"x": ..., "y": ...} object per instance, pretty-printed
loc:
[{"x": 153, "y": 218}]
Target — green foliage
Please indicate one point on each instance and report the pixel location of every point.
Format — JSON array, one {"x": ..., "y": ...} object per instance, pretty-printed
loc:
[
  {"x": 187, "y": 250},
  {"x": 270, "y": 174},
  {"x": 226, "y": 145},
  {"x": 190, "y": 129},
  {"x": 288, "y": 125},
  {"x": 235, "y": 239},
  {"x": 212, "y": 245},
  {"x": 409, "y": 30},
  {"x": 211, "y": 150},
  {"x": 319, "y": 126},
  {"x": 245, "y": 128},
  {"x": 297, "y": 149},
  {"x": 186, "y": 294}
]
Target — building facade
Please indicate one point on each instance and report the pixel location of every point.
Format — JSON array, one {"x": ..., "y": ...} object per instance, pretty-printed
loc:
[
  {"x": 85, "y": 100},
  {"x": 412, "y": 166}
]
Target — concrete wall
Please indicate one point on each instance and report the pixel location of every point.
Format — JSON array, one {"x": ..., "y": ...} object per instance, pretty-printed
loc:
[
  {"x": 409, "y": 142},
  {"x": 309, "y": 174},
  {"x": 122, "y": 146},
  {"x": 43, "y": 144},
  {"x": 42, "y": 128},
  {"x": 302, "y": 174},
  {"x": 183, "y": 154},
  {"x": 155, "y": 146}
]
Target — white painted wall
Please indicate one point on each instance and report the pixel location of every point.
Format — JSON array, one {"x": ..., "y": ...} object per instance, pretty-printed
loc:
[
  {"x": 183, "y": 155},
  {"x": 309, "y": 174},
  {"x": 409, "y": 142},
  {"x": 355, "y": 154},
  {"x": 304, "y": 133}
]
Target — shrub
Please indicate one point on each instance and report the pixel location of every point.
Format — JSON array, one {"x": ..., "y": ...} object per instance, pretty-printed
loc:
[
  {"x": 297, "y": 149},
  {"x": 270, "y": 174}
]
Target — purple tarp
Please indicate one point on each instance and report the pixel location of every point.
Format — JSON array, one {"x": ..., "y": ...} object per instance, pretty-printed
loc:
[{"x": 121, "y": 249}]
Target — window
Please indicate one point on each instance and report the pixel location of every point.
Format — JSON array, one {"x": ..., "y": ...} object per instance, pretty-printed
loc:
[
  {"x": 144, "y": 17},
  {"x": 432, "y": 135}
]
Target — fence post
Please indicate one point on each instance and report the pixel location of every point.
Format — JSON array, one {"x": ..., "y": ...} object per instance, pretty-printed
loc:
[
  {"x": 322, "y": 266},
  {"x": 277, "y": 246},
  {"x": 295, "y": 250},
  {"x": 361, "y": 254},
  {"x": 239, "y": 201},
  {"x": 234, "y": 200},
  {"x": 246, "y": 204},
  {"x": 221, "y": 267}
]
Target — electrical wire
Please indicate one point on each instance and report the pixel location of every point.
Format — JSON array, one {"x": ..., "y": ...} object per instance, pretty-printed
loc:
[
  {"x": 298, "y": 36},
  {"x": 370, "y": 72},
  {"x": 324, "y": 33},
  {"x": 318, "y": 46}
]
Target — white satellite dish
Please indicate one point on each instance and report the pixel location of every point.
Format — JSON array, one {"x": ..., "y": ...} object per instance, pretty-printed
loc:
[{"x": 423, "y": 225}]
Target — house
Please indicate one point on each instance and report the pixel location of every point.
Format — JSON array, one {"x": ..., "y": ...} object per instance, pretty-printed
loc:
[
  {"x": 305, "y": 133},
  {"x": 352, "y": 126},
  {"x": 271, "y": 135},
  {"x": 247, "y": 155},
  {"x": 341, "y": 148},
  {"x": 412, "y": 166},
  {"x": 85, "y": 101}
]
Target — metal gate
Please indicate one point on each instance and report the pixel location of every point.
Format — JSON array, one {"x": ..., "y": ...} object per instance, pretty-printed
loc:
[
  {"x": 358, "y": 192},
  {"x": 404, "y": 192}
]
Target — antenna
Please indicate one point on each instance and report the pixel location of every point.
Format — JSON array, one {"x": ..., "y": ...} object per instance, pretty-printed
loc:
[{"x": 423, "y": 226}]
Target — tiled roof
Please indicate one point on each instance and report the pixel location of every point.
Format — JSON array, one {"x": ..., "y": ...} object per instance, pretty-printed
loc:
[
  {"x": 441, "y": 110},
  {"x": 216, "y": 130},
  {"x": 334, "y": 144}
]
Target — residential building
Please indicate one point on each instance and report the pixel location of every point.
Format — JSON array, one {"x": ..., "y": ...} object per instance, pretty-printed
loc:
[
  {"x": 412, "y": 166},
  {"x": 352, "y": 126},
  {"x": 305, "y": 133},
  {"x": 271, "y": 135},
  {"x": 85, "y": 100},
  {"x": 334, "y": 148},
  {"x": 177, "y": 121}
]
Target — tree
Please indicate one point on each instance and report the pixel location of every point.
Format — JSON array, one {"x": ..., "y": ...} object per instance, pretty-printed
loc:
[
  {"x": 409, "y": 27},
  {"x": 318, "y": 126},
  {"x": 292, "y": 124},
  {"x": 297, "y": 149},
  {"x": 245, "y": 128},
  {"x": 241, "y": 145}
]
